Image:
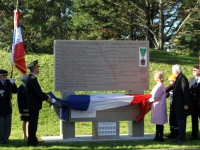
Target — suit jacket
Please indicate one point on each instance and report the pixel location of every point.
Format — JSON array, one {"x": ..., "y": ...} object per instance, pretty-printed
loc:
[
  {"x": 22, "y": 99},
  {"x": 35, "y": 95},
  {"x": 194, "y": 91},
  {"x": 181, "y": 96},
  {"x": 6, "y": 96},
  {"x": 168, "y": 89}
]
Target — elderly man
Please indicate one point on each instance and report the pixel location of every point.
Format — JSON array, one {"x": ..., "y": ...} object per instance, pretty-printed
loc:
[
  {"x": 181, "y": 101},
  {"x": 35, "y": 96},
  {"x": 7, "y": 87},
  {"x": 195, "y": 97}
]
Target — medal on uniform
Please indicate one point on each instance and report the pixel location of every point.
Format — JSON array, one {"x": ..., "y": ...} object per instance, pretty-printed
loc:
[{"x": 1, "y": 92}]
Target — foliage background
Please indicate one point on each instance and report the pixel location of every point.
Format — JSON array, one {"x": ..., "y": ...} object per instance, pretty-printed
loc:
[{"x": 171, "y": 25}]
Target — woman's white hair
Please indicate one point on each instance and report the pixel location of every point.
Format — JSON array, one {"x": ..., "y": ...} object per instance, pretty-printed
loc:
[
  {"x": 177, "y": 68},
  {"x": 159, "y": 75}
]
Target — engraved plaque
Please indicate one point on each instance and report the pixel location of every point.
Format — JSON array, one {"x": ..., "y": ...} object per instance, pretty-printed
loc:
[
  {"x": 101, "y": 65},
  {"x": 106, "y": 128}
]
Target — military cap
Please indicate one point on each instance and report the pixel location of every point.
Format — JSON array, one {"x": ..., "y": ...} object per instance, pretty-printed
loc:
[
  {"x": 196, "y": 67},
  {"x": 33, "y": 64},
  {"x": 2, "y": 72}
]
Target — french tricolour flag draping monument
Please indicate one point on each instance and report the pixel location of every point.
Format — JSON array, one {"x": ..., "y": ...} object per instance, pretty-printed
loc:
[
  {"x": 96, "y": 102},
  {"x": 18, "y": 53}
]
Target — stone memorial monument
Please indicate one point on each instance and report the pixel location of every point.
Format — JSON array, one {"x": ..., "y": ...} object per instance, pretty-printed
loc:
[{"x": 102, "y": 66}]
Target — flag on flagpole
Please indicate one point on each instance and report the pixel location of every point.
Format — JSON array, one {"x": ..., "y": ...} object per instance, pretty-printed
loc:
[{"x": 18, "y": 53}]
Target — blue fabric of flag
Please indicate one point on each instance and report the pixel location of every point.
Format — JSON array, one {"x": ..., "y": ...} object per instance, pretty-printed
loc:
[{"x": 61, "y": 107}]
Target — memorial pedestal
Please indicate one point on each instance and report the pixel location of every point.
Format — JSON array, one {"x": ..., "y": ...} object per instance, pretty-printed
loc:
[
  {"x": 99, "y": 65},
  {"x": 67, "y": 129},
  {"x": 136, "y": 129}
]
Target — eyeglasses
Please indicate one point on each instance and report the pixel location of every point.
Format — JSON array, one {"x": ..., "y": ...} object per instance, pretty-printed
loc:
[
  {"x": 194, "y": 70},
  {"x": 5, "y": 75}
]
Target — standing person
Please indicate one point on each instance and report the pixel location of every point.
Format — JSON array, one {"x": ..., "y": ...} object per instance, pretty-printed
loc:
[
  {"x": 195, "y": 98},
  {"x": 172, "y": 115},
  {"x": 7, "y": 87},
  {"x": 35, "y": 97},
  {"x": 158, "y": 105},
  {"x": 23, "y": 106},
  {"x": 181, "y": 101}
]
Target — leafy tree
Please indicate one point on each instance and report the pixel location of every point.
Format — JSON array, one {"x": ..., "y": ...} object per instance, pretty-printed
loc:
[
  {"x": 43, "y": 21},
  {"x": 6, "y": 26},
  {"x": 186, "y": 41},
  {"x": 131, "y": 19},
  {"x": 96, "y": 19}
]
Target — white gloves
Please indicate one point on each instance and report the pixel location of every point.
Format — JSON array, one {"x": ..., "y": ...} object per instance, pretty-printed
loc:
[
  {"x": 12, "y": 81},
  {"x": 151, "y": 100},
  {"x": 53, "y": 100}
]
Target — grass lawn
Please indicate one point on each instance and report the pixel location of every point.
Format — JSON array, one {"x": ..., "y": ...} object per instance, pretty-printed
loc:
[{"x": 49, "y": 124}]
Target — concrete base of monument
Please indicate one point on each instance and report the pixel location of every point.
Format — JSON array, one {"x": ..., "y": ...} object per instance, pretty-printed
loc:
[{"x": 84, "y": 138}]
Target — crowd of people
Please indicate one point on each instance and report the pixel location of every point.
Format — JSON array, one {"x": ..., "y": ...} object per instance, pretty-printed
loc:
[
  {"x": 184, "y": 101},
  {"x": 29, "y": 98},
  {"x": 183, "y": 94}
]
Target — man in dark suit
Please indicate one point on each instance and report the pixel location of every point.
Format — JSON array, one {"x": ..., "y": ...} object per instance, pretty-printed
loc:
[
  {"x": 172, "y": 115},
  {"x": 35, "y": 96},
  {"x": 181, "y": 101},
  {"x": 7, "y": 87},
  {"x": 195, "y": 97}
]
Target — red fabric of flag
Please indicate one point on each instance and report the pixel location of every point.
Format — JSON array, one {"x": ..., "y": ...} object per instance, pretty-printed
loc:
[
  {"x": 18, "y": 52},
  {"x": 145, "y": 107}
]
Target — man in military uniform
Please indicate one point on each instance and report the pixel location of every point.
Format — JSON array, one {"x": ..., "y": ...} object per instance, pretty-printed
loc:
[
  {"x": 35, "y": 96},
  {"x": 7, "y": 87},
  {"x": 195, "y": 97}
]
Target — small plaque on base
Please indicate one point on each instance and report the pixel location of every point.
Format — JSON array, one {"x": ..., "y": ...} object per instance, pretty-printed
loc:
[{"x": 105, "y": 130}]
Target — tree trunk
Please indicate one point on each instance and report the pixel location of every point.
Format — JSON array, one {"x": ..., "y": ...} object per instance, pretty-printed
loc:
[{"x": 161, "y": 26}]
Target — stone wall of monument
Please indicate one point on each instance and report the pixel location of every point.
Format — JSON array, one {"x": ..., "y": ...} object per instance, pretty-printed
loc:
[{"x": 101, "y": 65}]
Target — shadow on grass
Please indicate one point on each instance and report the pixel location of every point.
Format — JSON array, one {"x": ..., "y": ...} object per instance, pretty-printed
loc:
[
  {"x": 171, "y": 58},
  {"x": 130, "y": 144}
]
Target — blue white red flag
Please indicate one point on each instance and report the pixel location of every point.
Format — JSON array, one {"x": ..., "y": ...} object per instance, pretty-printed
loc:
[
  {"x": 18, "y": 53},
  {"x": 96, "y": 102}
]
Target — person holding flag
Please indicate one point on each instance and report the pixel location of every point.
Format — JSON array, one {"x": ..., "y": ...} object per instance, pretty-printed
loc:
[{"x": 7, "y": 87}]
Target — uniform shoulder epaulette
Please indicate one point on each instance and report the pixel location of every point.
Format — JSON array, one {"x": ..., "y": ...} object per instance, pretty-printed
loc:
[{"x": 32, "y": 77}]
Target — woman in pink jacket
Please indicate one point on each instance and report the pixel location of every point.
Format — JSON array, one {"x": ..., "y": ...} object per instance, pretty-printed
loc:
[{"x": 158, "y": 105}]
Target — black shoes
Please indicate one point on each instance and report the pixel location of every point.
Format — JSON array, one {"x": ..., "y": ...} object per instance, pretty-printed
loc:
[
  {"x": 4, "y": 142},
  {"x": 178, "y": 142},
  {"x": 194, "y": 138},
  {"x": 34, "y": 145},
  {"x": 171, "y": 136},
  {"x": 158, "y": 139}
]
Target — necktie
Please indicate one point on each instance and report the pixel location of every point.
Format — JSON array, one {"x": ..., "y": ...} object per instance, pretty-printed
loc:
[{"x": 197, "y": 81}]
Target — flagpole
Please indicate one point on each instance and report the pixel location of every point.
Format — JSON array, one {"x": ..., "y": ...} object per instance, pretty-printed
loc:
[
  {"x": 11, "y": 72},
  {"x": 199, "y": 59},
  {"x": 18, "y": 52},
  {"x": 16, "y": 6}
]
